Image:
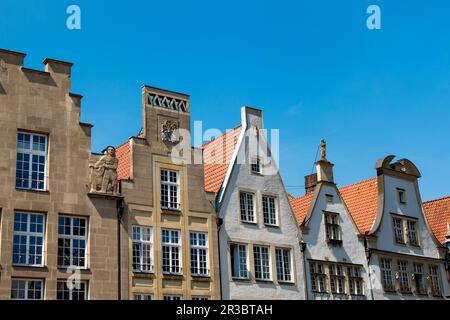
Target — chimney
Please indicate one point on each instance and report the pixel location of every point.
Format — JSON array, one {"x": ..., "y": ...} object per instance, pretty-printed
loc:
[{"x": 310, "y": 183}]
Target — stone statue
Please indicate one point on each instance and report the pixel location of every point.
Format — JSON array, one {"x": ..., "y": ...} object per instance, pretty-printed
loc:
[
  {"x": 168, "y": 132},
  {"x": 104, "y": 173},
  {"x": 323, "y": 150}
]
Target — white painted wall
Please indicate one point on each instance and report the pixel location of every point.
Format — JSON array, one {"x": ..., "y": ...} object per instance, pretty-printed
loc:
[
  {"x": 352, "y": 249},
  {"x": 286, "y": 235},
  {"x": 385, "y": 234}
]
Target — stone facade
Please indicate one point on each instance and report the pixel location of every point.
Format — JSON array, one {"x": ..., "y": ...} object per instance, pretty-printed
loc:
[
  {"x": 40, "y": 103},
  {"x": 166, "y": 127}
]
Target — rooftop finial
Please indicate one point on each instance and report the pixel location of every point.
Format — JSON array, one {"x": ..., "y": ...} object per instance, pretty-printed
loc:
[{"x": 323, "y": 150}]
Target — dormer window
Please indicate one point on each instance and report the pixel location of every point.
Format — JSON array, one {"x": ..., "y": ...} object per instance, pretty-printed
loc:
[
  {"x": 401, "y": 196},
  {"x": 405, "y": 231},
  {"x": 332, "y": 227}
]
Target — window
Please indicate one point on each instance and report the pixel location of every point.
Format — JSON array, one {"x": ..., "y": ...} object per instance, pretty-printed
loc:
[
  {"x": 283, "y": 259},
  {"x": 419, "y": 280},
  {"x": 28, "y": 239},
  {"x": 398, "y": 230},
  {"x": 401, "y": 196},
  {"x": 142, "y": 249},
  {"x": 27, "y": 289},
  {"x": 329, "y": 198},
  {"x": 262, "y": 263},
  {"x": 355, "y": 281},
  {"x": 412, "y": 233},
  {"x": 238, "y": 254},
  {"x": 67, "y": 290},
  {"x": 200, "y": 298},
  {"x": 170, "y": 186},
  {"x": 403, "y": 276},
  {"x": 318, "y": 277},
  {"x": 143, "y": 296},
  {"x": 171, "y": 251},
  {"x": 247, "y": 210},
  {"x": 199, "y": 254},
  {"x": 72, "y": 239},
  {"x": 256, "y": 165},
  {"x": 31, "y": 161},
  {"x": 337, "y": 280},
  {"x": 332, "y": 228},
  {"x": 435, "y": 281},
  {"x": 386, "y": 270},
  {"x": 269, "y": 211},
  {"x": 172, "y": 297}
]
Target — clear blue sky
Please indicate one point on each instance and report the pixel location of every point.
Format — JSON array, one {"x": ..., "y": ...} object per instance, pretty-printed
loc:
[{"x": 312, "y": 66}]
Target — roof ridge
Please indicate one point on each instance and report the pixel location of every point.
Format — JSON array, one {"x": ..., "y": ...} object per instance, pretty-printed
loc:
[
  {"x": 437, "y": 199},
  {"x": 223, "y": 134}
]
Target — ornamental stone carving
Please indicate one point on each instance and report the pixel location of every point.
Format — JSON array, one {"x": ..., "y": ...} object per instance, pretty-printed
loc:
[
  {"x": 168, "y": 132},
  {"x": 104, "y": 173},
  {"x": 323, "y": 150}
]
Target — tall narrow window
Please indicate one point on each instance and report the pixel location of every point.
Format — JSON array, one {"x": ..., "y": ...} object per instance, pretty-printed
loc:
[
  {"x": 142, "y": 249},
  {"x": 318, "y": 277},
  {"x": 435, "y": 282},
  {"x": 170, "y": 190},
  {"x": 31, "y": 161},
  {"x": 27, "y": 289},
  {"x": 256, "y": 165},
  {"x": 386, "y": 270},
  {"x": 403, "y": 276},
  {"x": 419, "y": 280},
  {"x": 412, "y": 232},
  {"x": 398, "y": 230},
  {"x": 247, "y": 209},
  {"x": 199, "y": 254},
  {"x": 239, "y": 267},
  {"x": 72, "y": 291},
  {"x": 143, "y": 296},
  {"x": 262, "y": 263},
  {"x": 401, "y": 196},
  {"x": 337, "y": 280},
  {"x": 171, "y": 251},
  {"x": 269, "y": 210},
  {"x": 72, "y": 239},
  {"x": 332, "y": 227},
  {"x": 28, "y": 239},
  {"x": 355, "y": 281},
  {"x": 283, "y": 257}
]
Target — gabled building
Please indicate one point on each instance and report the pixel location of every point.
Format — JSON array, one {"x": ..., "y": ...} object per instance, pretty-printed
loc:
[
  {"x": 259, "y": 248},
  {"x": 58, "y": 235},
  {"x": 169, "y": 228},
  {"x": 333, "y": 248}
]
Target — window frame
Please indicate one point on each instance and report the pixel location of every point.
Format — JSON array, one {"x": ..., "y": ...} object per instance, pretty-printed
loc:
[
  {"x": 403, "y": 276},
  {"x": 171, "y": 246},
  {"x": 198, "y": 248},
  {"x": 244, "y": 207},
  {"x": 262, "y": 266},
  {"x": 332, "y": 228},
  {"x": 337, "y": 279},
  {"x": 255, "y": 162},
  {"x": 270, "y": 218},
  {"x": 28, "y": 234},
  {"x": 71, "y": 238},
  {"x": 387, "y": 274},
  {"x": 27, "y": 288},
  {"x": 141, "y": 242},
  {"x": 31, "y": 152},
  {"x": 284, "y": 276},
  {"x": 71, "y": 291},
  {"x": 243, "y": 274},
  {"x": 318, "y": 279},
  {"x": 143, "y": 296},
  {"x": 171, "y": 206}
]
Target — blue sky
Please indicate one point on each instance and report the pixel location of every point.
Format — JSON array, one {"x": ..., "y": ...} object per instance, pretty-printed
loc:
[{"x": 312, "y": 66}]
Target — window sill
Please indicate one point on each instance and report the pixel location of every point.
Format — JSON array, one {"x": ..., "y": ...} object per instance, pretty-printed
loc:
[
  {"x": 28, "y": 267},
  {"x": 334, "y": 242},
  {"x": 264, "y": 280},
  {"x": 46, "y": 192},
  {"x": 268, "y": 225},
  {"x": 201, "y": 277},
  {"x": 175, "y": 276},
  {"x": 171, "y": 211},
  {"x": 249, "y": 223},
  {"x": 143, "y": 274},
  {"x": 283, "y": 282},
  {"x": 240, "y": 279},
  {"x": 81, "y": 269}
]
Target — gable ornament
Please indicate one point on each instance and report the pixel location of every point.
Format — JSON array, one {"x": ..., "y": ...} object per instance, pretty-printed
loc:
[
  {"x": 104, "y": 173},
  {"x": 168, "y": 132}
]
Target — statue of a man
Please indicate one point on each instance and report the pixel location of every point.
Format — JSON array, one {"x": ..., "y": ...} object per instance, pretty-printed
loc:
[
  {"x": 323, "y": 150},
  {"x": 105, "y": 173}
]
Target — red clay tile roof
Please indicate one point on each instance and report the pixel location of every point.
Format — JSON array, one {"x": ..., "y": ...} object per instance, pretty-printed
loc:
[
  {"x": 216, "y": 158},
  {"x": 123, "y": 154},
  {"x": 437, "y": 213},
  {"x": 361, "y": 199},
  {"x": 301, "y": 206}
]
